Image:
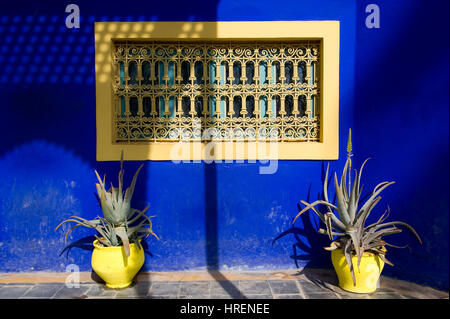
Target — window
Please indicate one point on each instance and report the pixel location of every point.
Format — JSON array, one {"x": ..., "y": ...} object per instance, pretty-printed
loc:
[
  {"x": 234, "y": 83},
  {"x": 225, "y": 91}
]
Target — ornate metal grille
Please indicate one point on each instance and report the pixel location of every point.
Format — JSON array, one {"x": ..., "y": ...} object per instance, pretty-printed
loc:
[{"x": 170, "y": 91}]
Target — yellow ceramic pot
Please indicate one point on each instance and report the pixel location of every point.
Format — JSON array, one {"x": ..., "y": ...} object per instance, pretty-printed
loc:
[
  {"x": 113, "y": 265},
  {"x": 366, "y": 277}
]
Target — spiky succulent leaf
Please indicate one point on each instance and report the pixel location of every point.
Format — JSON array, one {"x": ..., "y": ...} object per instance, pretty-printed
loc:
[
  {"x": 121, "y": 173},
  {"x": 122, "y": 234},
  {"x": 102, "y": 241},
  {"x": 362, "y": 216},
  {"x": 400, "y": 223},
  {"x": 328, "y": 224},
  {"x": 348, "y": 258},
  {"x": 343, "y": 182},
  {"x": 355, "y": 240},
  {"x": 353, "y": 202},
  {"x": 325, "y": 186},
  {"x": 336, "y": 223},
  {"x": 325, "y": 232},
  {"x": 359, "y": 186},
  {"x": 309, "y": 206},
  {"x": 373, "y": 196},
  {"x": 130, "y": 190},
  {"x": 333, "y": 246},
  {"x": 136, "y": 214},
  {"x": 341, "y": 208},
  {"x": 381, "y": 219}
]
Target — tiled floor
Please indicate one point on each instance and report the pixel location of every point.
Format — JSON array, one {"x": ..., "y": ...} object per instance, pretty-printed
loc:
[{"x": 288, "y": 284}]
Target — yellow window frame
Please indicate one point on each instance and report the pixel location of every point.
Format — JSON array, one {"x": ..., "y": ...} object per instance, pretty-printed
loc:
[{"x": 327, "y": 148}]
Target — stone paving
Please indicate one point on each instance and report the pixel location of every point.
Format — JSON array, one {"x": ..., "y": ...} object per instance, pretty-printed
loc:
[{"x": 288, "y": 284}]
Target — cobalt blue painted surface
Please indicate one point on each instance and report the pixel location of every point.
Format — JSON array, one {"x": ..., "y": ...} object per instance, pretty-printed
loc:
[
  {"x": 220, "y": 215},
  {"x": 402, "y": 83}
]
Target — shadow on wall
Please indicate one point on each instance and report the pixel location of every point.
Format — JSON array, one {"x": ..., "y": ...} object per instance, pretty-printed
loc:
[
  {"x": 308, "y": 249},
  {"x": 211, "y": 232}
]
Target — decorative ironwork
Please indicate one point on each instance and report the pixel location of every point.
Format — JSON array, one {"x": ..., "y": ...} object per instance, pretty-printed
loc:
[{"x": 171, "y": 91}]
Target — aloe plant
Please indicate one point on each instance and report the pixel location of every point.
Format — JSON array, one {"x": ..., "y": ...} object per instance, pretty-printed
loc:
[
  {"x": 349, "y": 225},
  {"x": 120, "y": 224}
]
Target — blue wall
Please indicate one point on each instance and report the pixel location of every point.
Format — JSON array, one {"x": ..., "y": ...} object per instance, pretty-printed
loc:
[
  {"x": 219, "y": 215},
  {"x": 401, "y": 122}
]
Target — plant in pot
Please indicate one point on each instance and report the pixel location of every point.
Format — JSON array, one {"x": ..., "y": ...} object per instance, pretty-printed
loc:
[
  {"x": 354, "y": 242},
  {"x": 118, "y": 254}
]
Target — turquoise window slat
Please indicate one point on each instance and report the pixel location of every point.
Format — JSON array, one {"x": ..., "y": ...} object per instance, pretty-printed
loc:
[
  {"x": 262, "y": 79},
  {"x": 172, "y": 106},
  {"x": 171, "y": 71},
  {"x": 223, "y": 107},
  {"x": 262, "y": 72},
  {"x": 171, "y": 74},
  {"x": 161, "y": 107},
  {"x": 160, "y": 72},
  {"x": 273, "y": 81},
  {"x": 310, "y": 82},
  {"x": 161, "y": 100},
  {"x": 263, "y": 105},
  {"x": 122, "y": 106},
  {"x": 198, "y": 70},
  {"x": 132, "y": 71},
  {"x": 122, "y": 73},
  {"x": 222, "y": 73},
  {"x": 223, "y": 104},
  {"x": 212, "y": 105},
  {"x": 212, "y": 72}
]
